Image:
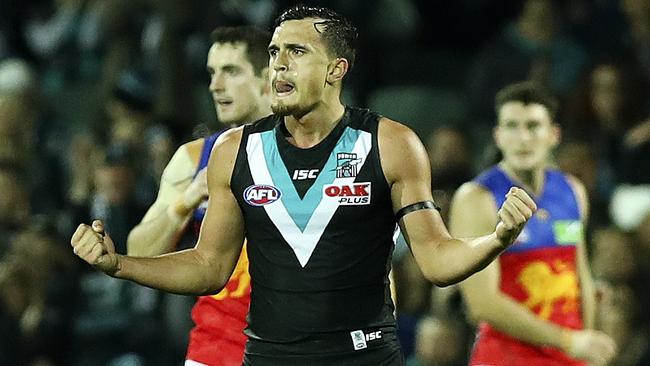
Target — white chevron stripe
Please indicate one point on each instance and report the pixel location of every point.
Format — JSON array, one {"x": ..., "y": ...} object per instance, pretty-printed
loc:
[{"x": 304, "y": 243}]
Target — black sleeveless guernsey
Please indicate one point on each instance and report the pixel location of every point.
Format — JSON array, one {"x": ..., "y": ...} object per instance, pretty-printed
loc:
[{"x": 319, "y": 224}]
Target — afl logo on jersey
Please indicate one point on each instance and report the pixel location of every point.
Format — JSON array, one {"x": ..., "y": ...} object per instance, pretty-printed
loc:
[{"x": 261, "y": 194}]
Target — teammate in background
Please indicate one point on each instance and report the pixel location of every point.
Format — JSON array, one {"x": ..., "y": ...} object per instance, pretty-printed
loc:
[
  {"x": 238, "y": 67},
  {"x": 316, "y": 189},
  {"x": 535, "y": 303}
]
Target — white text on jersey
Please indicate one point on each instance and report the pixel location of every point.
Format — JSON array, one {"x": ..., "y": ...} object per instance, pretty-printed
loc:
[{"x": 302, "y": 174}]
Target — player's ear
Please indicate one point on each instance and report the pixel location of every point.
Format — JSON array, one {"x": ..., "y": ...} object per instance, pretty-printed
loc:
[
  {"x": 556, "y": 131},
  {"x": 496, "y": 136},
  {"x": 337, "y": 69}
]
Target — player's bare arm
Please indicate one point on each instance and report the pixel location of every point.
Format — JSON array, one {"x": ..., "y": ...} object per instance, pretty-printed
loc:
[
  {"x": 584, "y": 272},
  {"x": 204, "y": 269},
  {"x": 443, "y": 260},
  {"x": 178, "y": 195}
]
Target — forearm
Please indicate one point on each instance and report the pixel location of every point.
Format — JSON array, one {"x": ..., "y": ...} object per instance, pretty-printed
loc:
[
  {"x": 185, "y": 272},
  {"x": 156, "y": 236},
  {"x": 510, "y": 317},
  {"x": 587, "y": 290},
  {"x": 588, "y": 297},
  {"x": 454, "y": 260}
]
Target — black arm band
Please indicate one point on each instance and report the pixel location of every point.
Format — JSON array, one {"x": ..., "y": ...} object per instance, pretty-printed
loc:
[{"x": 424, "y": 205}]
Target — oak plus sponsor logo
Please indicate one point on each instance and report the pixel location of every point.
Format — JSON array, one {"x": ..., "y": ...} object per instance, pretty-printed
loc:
[
  {"x": 261, "y": 194},
  {"x": 348, "y": 194}
]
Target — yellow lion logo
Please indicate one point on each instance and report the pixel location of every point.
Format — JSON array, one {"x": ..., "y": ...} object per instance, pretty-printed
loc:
[{"x": 545, "y": 287}]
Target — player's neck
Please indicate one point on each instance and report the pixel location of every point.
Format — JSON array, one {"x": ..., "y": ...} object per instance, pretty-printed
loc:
[
  {"x": 532, "y": 180},
  {"x": 310, "y": 129},
  {"x": 253, "y": 116}
]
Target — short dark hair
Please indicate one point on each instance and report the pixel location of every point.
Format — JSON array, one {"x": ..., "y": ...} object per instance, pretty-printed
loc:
[
  {"x": 527, "y": 92},
  {"x": 339, "y": 34},
  {"x": 255, "y": 38}
]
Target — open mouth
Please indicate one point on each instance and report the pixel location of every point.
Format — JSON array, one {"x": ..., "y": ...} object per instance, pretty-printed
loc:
[{"x": 283, "y": 87}]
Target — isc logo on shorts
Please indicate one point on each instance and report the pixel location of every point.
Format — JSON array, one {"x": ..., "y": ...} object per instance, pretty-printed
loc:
[
  {"x": 360, "y": 339},
  {"x": 261, "y": 194},
  {"x": 349, "y": 194}
]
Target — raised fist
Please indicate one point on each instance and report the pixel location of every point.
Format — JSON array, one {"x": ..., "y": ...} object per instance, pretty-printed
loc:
[
  {"x": 516, "y": 210},
  {"x": 91, "y": 244}
]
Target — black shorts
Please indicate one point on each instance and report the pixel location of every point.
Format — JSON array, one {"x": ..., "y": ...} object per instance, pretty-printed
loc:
[{"x": 379, "y": 348}]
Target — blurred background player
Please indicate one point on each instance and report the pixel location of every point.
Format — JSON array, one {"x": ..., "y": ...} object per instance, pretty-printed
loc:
[
  {"x": 237, "y": 64},
  {"x": 535, "y": 303}
]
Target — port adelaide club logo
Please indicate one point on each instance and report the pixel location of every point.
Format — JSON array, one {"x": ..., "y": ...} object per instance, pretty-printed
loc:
[{"x": 261, "y": 194}]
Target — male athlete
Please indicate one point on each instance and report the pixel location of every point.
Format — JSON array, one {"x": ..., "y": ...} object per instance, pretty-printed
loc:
[
  {"x": 535, "y": 303},
  {"x": 238, "y": 67},
  {"x": 319, "y": 246}
]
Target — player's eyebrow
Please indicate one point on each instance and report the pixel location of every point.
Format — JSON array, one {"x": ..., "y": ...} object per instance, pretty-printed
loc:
[{"x": 289, "y": 46}]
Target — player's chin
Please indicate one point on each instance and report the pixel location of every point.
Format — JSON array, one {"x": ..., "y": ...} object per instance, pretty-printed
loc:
[
  {"x": 281, "y": 108},
  {"x": 526, "y": 163},
  {"x": 227, "y": 118}
]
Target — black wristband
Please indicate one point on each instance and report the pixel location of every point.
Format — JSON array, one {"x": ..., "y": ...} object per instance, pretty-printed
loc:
[{"x": 424, "y": 205}]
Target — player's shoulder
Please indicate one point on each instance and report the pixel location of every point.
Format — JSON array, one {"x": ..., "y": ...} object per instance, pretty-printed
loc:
[
  {"x": 182, "y": 166},
  {"x": 230, "y": 137},
  {"x": 575, "y": 182},
  {"x": 578, "y": 188},
  {"x": 396, "y": 132},
  {"x": 224, "y": 154},
  {"x": 473, "y": 197},
  {"x": 472, "y": 191},
  {"x": 228, "y": 142},
  {"x": 401, "y": 152},
  {"x": 392, "y": 125},
  {"x": 472, "y": 200},
  {"x": 193, "y": 149},
  {"x": 196, "y": 143}
]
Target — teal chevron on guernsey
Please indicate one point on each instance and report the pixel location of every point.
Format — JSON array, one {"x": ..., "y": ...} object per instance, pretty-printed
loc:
[{"x": 302, "y": 221}]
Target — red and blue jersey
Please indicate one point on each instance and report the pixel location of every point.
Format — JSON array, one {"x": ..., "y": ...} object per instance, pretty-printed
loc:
[
  {"x": 539, "y": 271},
  {"x": 217, "y": 338},
  {"x": 199, "y": 212}
]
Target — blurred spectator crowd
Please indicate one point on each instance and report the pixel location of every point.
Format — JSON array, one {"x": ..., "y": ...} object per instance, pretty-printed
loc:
[{"x": 95, "y": 96}]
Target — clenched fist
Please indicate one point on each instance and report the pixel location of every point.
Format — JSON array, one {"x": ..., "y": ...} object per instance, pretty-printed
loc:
[
  {"x": 513, "y": 215},
  {"x": 95, "y": 247},
  {"x": 590, "y": 345}
]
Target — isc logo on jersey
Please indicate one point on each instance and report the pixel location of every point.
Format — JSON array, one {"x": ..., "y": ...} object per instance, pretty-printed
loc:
[
  {"x": 261, "y": 194},
  {"x": 304, "y": 174},
  {"x": 349, "y": 194}
]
